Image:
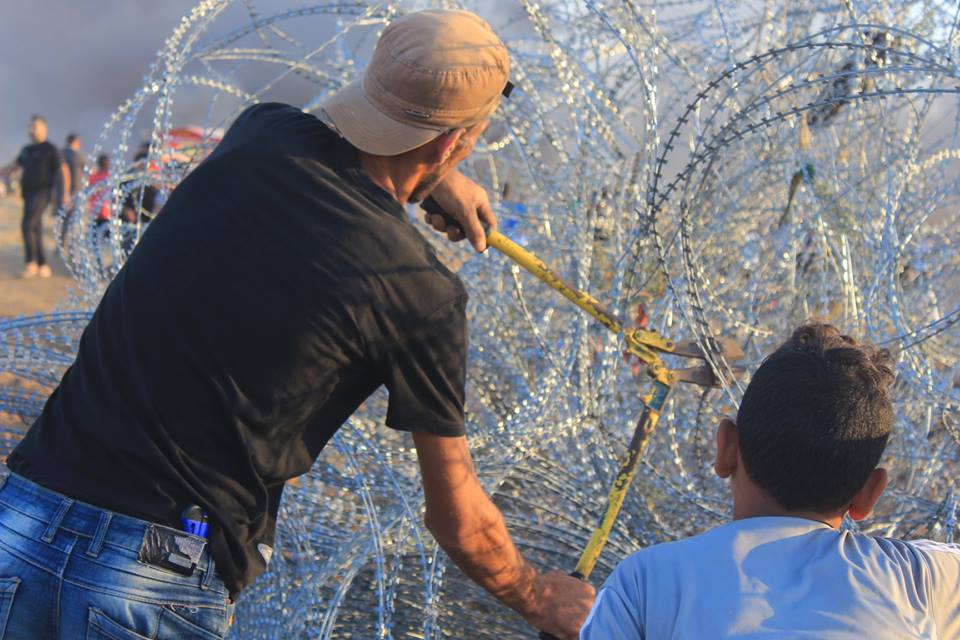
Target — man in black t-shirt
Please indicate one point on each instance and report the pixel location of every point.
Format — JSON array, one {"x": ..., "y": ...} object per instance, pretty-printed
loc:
[
  {"x": 43, "y": 174},
  {"x": 280, "y": 286}
]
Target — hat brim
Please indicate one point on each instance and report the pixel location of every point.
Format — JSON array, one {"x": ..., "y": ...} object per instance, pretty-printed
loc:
[{"x": 369, "y": 129}]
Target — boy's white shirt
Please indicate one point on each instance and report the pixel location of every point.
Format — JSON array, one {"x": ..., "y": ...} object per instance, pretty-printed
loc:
[{"x": 782, "y": 577}]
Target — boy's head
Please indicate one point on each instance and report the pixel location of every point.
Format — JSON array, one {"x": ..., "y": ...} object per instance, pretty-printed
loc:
[{"x": 815, "y": 419}]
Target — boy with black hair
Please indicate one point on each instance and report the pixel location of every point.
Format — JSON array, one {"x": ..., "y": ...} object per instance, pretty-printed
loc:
[{"x": 803, "y": 453}]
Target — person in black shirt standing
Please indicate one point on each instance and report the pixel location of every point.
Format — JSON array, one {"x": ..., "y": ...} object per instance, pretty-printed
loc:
[
  {"x": 280, "y": 286},
  {"x": 76, "y": 162},
  {"x": 43, "y": 174}
]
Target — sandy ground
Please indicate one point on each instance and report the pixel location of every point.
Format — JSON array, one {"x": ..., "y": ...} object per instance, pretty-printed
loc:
[
  {"x": 19, "y": 296},
  {"x": 24, "y": 297}
]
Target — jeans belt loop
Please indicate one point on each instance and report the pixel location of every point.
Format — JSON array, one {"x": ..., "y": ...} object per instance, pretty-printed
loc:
[
  {"x": 96, "y": 544},
  {"x": 51, "y": 529},
  {"x": 207, "y": 570}
]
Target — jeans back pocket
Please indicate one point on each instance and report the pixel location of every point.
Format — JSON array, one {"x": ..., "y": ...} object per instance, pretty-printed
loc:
[
  {"x": 8, "y": 588},
  {"x": 102, "y": 627}
]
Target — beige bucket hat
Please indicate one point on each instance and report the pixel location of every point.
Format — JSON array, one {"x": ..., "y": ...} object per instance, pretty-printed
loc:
[{"x": 432, "y": 71}]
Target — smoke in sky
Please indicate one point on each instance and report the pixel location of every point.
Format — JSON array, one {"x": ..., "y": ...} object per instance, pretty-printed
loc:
[{"x": 74, "y": 61}]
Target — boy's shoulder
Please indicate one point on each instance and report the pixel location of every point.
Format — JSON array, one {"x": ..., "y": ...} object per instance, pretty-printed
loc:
[
  {"x": 675, "y": 554},
  {"x": 733, "y": 539},
  {"x": 948, "y": 549},
  {"x": 897, "y": 550},
  {"x": 720, "y": 534},
  {"x": 923, "y": 556}
]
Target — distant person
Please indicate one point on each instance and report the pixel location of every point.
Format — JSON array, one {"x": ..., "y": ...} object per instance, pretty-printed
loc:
[
  {"x": 99, "y": 206},
  {"x": 141, "y": 197},
  {"x": 76, "y": 162},
  {"x": 42, "y": 173},
  {"x": 802, "y": 454},
  {"x": 100, "y": 198}
]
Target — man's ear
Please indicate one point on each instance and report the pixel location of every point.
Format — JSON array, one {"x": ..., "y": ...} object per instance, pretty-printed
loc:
[
  {"x": 864, "y": 499},
  {"x": 728, "y": 448},
  {"x": 444, "y": 144}
]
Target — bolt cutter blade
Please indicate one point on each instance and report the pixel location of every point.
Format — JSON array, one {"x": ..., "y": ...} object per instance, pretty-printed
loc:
[
  {"x": 730, "y": 350},
  {"x": 702, "y": 375}
]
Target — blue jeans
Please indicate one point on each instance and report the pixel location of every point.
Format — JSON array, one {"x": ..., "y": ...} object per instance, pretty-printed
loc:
[{"x": 71, "y": 570}]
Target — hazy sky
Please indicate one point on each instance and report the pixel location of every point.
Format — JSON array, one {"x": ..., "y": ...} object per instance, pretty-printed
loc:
[{"x": 74, "y": 61}]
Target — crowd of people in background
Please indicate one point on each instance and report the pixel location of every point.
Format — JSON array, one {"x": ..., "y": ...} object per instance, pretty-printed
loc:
[{"x": 49, "y": 178}]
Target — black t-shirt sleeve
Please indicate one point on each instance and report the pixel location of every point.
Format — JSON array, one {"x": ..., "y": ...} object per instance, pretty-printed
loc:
[
  {"x": 426, "y": 375},
  {"x": 21, "y": 157}
]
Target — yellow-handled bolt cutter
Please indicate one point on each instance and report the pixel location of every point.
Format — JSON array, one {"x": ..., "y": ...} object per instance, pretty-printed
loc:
[{"x": 641, "y": 343}]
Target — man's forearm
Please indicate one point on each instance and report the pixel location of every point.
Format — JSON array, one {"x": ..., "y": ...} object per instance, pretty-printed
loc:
[
  {"x": 471, "y": 530},
  {"x": 481, "y": 547}
]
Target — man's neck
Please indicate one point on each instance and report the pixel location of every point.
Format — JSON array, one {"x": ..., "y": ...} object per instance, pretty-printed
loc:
[
  {"x": 392, "y": 175},
  {"x": 751, "y": 502},
  {"x": 830, "y": 521}
]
